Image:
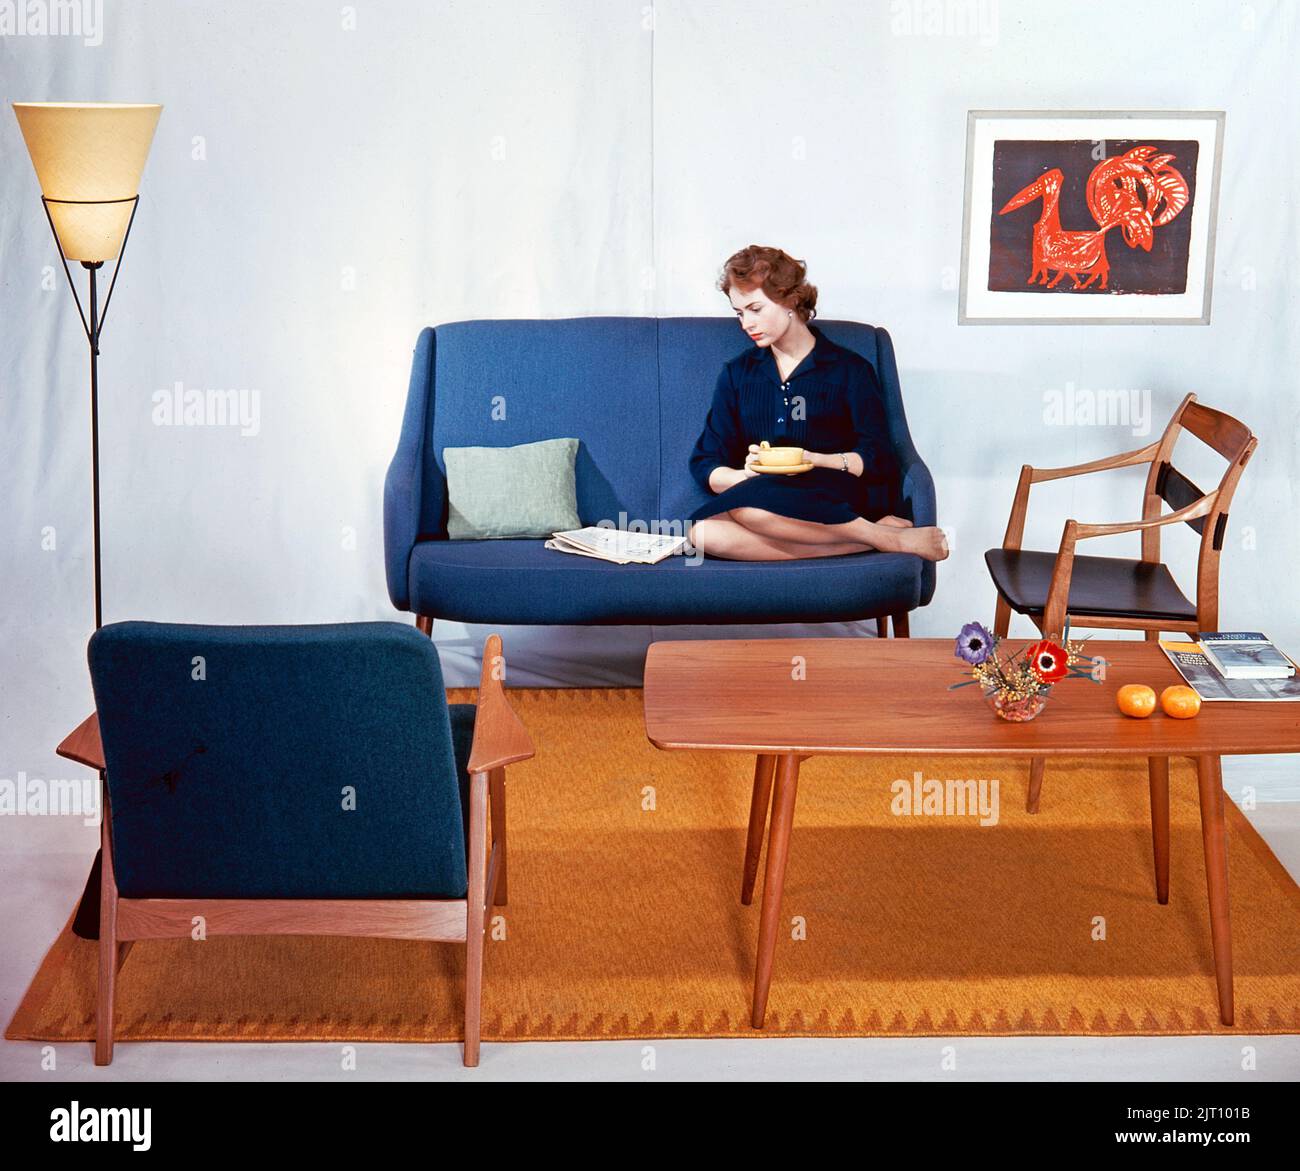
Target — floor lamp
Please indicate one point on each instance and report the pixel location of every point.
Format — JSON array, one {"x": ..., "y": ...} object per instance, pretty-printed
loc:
[{"x": 88, "y": 158}]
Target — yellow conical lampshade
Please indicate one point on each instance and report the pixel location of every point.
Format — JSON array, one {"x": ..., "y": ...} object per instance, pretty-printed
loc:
[{"x": 85, "y": 152}]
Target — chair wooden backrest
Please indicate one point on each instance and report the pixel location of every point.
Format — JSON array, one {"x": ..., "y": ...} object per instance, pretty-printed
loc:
[{"x": 1233, "y": 440}]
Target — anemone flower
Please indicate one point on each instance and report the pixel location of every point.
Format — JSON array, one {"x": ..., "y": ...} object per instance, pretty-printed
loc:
[
  {"x": 1048, "y": 662},
  {"x": 973, "y": 644}
]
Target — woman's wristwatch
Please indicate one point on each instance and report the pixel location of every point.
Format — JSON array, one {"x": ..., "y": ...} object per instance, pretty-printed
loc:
[{"x": 844, "y": 460}]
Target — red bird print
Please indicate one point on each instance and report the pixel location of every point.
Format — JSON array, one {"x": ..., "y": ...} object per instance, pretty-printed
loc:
[{"x": 1136, "y": 192}]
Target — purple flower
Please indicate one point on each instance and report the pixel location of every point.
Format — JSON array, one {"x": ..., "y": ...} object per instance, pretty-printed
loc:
[{"x": 973, "y": 644}]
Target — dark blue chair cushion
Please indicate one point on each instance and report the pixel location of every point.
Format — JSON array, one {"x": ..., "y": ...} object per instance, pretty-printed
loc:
[
  {"x": 524, "y": 583},
  {"x": 231, "y": 753}
]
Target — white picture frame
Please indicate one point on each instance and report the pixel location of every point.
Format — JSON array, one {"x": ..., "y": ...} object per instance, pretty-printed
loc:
[{"x": 999, "y": 141}]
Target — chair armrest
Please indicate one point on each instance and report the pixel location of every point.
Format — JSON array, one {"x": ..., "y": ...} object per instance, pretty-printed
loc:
[
  {"x": 919, "y": 501},
  {"x": 1143, "y": 455},
  {"x": 1030, "y": 475},
  {"x": 918, "y": 493},
  {"x": 83, "y": 745},
  {"x": 1193, "y": 511},
  {"x": 499, "y": 736},
  {"x": 404, "y": 483},
  {"x": 1058, "y": 592}
]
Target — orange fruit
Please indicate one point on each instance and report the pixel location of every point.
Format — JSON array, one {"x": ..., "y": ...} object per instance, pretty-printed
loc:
[
  {"x": 1180, "y": 701},
  {"x": 1136, "y": 699}
]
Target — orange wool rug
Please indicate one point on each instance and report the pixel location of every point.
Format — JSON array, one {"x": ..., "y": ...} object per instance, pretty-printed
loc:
[{"x": 625, "y": 918}]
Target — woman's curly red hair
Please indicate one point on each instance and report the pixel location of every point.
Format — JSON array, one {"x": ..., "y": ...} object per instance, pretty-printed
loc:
[{"x": 783, "y": 278}]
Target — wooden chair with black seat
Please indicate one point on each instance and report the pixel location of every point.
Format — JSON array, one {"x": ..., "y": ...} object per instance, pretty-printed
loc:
[
  {"x": 1121, "y": 593},
  {"x": 313, "y": 781}
]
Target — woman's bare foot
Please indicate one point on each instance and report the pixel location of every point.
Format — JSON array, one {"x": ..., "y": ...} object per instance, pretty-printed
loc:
[
  {"x": 928, "y": 542},
  {"x": 896, "y": 522}
]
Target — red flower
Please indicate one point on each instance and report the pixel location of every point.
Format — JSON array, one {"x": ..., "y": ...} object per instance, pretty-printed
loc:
[{"x": 1047, "y": 661}]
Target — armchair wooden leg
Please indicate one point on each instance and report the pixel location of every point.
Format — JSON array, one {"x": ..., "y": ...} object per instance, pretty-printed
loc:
[
  {"x": 1158, "y": 774},
  {"x": 882, "y": 627},
  {"x": 764, "y": 769},
  {"x": 901, "y": 628},
  {"x": 497, "y": 797},
  {"x": 105, "y": 1000},
  {"x": 474, "y": 912},
  {"x": 1035, "y": 783},
  {"x": 1002, "y": 618},
  {"x": 424, "y": 624}
]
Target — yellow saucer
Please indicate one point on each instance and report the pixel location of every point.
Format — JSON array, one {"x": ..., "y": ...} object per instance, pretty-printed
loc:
[{"x": 782, "y": 470}]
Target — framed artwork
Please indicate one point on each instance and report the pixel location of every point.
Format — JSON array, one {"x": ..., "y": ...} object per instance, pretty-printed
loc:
[{"x": 1077, "y": 217}]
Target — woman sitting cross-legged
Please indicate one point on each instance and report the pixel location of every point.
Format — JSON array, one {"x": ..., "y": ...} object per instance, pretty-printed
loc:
[{"x": 796, "y": 388}]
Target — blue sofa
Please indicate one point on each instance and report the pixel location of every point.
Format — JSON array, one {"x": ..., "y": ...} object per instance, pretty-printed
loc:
[{"x": 635, "y": 391}]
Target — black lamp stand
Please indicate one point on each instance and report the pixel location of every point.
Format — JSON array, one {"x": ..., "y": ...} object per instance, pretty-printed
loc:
[{"x": 93, "y": 326}]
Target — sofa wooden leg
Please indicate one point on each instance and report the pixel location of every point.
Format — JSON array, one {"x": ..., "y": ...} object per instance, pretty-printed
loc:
[
  {"x": 901, "y": 629},
  {"x": 882, "y": 627},
  {"x": 424, "y": 624}
]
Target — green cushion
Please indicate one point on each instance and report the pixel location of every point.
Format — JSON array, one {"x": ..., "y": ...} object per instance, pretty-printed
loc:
[{"x": 524, "y": 491}]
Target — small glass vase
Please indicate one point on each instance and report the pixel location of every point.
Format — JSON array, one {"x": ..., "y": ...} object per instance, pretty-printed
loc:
[{"x": 1015, "y": 711}]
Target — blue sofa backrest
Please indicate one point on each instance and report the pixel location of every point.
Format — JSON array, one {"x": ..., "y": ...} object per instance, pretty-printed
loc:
[
  {"x": 501, "y": 383},
  {"x": 634, "y": 390},
  {"x": 230, "y": 751}
]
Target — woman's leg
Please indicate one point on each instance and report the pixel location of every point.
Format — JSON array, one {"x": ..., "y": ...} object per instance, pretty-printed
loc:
[
  {"x": 720, "y": 536},
  {"x": 929, "y": 542}
]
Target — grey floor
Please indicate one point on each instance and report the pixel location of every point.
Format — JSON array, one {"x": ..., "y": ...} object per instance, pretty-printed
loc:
[{"x": 37, "y": 889}]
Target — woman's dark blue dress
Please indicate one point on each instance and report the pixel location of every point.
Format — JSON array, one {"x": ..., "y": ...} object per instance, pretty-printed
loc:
[{"x": 832, "y": 403}]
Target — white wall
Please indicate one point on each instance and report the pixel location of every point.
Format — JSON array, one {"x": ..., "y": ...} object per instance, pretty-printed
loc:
[{"x": 557, "y": 158}]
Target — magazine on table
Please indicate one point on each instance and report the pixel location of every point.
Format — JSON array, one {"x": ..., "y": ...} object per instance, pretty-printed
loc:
[
  {"x": 1244, "y": 654},
  {"x": 1204, "y": 678},
  {"x": 617, "y": 545}
]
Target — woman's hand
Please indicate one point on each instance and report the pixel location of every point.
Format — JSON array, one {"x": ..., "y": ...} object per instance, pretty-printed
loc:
[{"x": 720, "y": 479}]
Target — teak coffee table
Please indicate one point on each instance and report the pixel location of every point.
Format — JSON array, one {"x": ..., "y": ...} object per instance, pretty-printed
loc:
[{"x": 787, "y": 699}]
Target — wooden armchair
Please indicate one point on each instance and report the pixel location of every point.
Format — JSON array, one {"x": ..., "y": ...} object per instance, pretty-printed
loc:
[
  {"x": 1121, "y": 593},
  {"x": 211, "y": 809}
]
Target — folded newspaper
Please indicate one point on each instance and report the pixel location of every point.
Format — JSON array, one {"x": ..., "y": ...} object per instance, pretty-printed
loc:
[
  {"x": 1205, "y": 679},
  {"x": 617, "y": 545}
]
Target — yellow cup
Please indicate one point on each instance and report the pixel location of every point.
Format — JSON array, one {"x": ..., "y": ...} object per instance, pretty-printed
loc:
[{"x": 780, "y": 457}]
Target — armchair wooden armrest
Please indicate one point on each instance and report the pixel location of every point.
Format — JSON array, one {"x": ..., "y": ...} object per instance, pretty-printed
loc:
[
  {"x": 1031, "y": 475},
  {"x": 1058, "y": 593},
  {"x": 499, "y": 736},
  {"x": 82, "y": 744}
]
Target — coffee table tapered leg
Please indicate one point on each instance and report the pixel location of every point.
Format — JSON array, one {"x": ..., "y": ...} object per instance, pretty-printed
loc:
[
  {"x": 1035, "y": 783},
  {"x": 1209, "y": 779},
  {"x": 758, "y": 805},
  {"x": 1158, "y": 774},
  {"x": 778, "y": 847}
]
